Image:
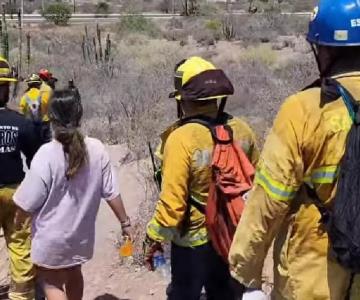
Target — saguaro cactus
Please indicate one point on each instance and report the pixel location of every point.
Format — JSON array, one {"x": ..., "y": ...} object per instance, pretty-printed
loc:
[
  {"x": 4, "y": 35},
  {"x": 28, "y": 51},
  {"x": 228, "y": 29},
  {"x": 92, "y": 48},
  {"x": 98, "y": 33}
]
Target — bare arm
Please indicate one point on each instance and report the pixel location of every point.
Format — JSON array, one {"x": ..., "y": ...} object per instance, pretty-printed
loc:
[{"x": 117, "y": 206}]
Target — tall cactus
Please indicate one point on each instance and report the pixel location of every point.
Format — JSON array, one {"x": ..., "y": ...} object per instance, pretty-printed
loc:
[
  {"x": 108, "y": 48},
  {"x": 95, "y": 52},
  {"x": 98, "y": 33},
  {"x": 20, "y": 41},
  {"x": 92, "y": 48},
  {"x": 4, "y": 35},
  {"x": 28, "y": 51},
  {"x": 228, "y": 29}
]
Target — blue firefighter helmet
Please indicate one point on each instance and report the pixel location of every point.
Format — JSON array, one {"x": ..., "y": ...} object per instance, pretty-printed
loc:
[{"x": 335, "y": 23}]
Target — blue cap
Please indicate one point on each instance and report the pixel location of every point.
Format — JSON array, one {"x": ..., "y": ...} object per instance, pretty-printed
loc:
[{"x": 335, "y": 23}]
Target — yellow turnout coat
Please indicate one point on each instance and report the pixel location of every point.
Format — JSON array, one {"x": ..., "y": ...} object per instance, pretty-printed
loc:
[{"x": 305, "y": 145}]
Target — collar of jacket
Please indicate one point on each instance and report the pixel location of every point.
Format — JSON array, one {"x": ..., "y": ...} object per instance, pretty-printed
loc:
[{"x": 329, "y": 92}]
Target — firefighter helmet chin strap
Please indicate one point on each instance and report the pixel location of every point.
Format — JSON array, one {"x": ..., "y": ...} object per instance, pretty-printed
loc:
[
  {"x": 325, "y": 73},
  {"x": 316, "y": 55},
  {"x": 180, "y": 112},
  {"x": 221, "y": 107}
]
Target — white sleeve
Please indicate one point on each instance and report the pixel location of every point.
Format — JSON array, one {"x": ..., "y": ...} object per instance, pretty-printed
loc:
[
  {"x": 110, "y": 187},
  {"x": 34, "y": 189}
]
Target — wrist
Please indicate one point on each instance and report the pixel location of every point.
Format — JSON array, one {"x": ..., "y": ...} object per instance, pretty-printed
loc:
[{"x": 125, "y": 222}]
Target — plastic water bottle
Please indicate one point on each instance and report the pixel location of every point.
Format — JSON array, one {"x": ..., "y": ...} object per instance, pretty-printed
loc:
[
  {"x": 161, "y": 266},
  {"x": 127, "y": 248}
]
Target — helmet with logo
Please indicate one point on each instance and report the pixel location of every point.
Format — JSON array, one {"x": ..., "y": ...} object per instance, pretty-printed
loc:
[
  {"x": 6, "y": 72},
  {"x": 33, "y": 79},
  {"x": 335, "y": 23},
  {"x": 198, "y": 79}
]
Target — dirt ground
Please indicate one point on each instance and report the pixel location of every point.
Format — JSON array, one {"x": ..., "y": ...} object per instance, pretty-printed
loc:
[{"x": 106, "y": 276}]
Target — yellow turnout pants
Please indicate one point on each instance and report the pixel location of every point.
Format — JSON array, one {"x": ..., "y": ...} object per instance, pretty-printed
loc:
[{"x": 18, "y": 243}]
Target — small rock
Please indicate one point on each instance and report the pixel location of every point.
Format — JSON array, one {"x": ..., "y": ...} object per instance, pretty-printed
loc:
[{"x": 152, "y": 292}]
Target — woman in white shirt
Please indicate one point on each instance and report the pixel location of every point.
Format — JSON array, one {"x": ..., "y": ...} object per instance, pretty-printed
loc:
[{"x": 62, "y": 191}]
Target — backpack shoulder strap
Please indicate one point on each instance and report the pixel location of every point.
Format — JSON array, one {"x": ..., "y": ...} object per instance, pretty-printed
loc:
[
  {"x": 28, "y": 100},
  {"x": 351, "y": 104},
  {"x": 211, "y": 124}
]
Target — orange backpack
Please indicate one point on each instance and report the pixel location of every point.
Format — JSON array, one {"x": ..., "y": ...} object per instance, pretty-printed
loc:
[{"x": 232, "y": 177}]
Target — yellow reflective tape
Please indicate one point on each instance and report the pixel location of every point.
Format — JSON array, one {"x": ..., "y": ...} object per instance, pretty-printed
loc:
[
  {"x": 193, "y": 238},
  {"x": 327, "y": 174},
  {"x": 273, "y": 188},
  {"x": 159, "y": 233}
]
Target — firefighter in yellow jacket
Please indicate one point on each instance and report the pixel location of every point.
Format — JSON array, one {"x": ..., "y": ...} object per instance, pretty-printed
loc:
[
  {"x": 35, "y": 106},
  {"x": 305, "y": 146},
  {"x": 186, "y": 157}
]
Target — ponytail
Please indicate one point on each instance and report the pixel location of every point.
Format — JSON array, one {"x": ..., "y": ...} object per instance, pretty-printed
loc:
[
  {"x": 65, "y": 113},
  {"x": 75, "y": 148}
]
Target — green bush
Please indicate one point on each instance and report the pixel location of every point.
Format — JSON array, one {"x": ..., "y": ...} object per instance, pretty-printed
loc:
[
  {"x": 214, "y": 25},
  {"x": 138, "y": 24},
  {"x": 102, "y": 8},
  {"x": 58, "y": 13}
]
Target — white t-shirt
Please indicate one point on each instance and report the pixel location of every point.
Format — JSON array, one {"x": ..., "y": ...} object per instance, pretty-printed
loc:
[{"x": 64, "y": 211}]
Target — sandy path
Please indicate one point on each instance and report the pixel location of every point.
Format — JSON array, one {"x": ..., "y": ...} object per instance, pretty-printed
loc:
[{"x": 105, "y": 276}]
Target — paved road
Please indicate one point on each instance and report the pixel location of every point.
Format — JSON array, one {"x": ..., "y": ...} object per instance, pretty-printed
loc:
[{"x": 101, "y": 18}]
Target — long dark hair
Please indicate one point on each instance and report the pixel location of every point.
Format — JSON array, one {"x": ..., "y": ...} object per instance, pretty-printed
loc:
[{"x": 65, "y": 113}]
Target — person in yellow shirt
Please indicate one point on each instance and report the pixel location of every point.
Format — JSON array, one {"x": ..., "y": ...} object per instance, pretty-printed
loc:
[
  {"x": 35, "y": 105},
  {"x": 301, "y": 157},
  {"x": 186, "y": 152}
]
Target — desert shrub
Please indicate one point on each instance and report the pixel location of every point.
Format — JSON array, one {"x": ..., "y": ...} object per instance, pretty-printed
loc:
[
  {"x": 58, "y": 13},
  {"x": 202, "y": 30},
  {"x": 175, "y": 23},
  {"x": 206, "y": 8},
  {"x": 138, "y": 24},
  {"x": 262, "y": 53},
  {"x": 268, "y": 26},
  {"x": 102, "y": 8},
  {"x": 213, "y": 24},
  {"x": 165, "y": 6}
]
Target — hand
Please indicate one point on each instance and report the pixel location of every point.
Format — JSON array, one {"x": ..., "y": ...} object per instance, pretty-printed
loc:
[
  {"x": 127, "y": 232},
  {"x": 255, "y": 295},
  {"x": 21, "y": 219},
  {"x": 150, "y": 247}
]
